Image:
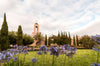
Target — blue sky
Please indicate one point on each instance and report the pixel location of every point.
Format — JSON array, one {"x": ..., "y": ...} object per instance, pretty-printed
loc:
[{"x": 75, "y": 16}]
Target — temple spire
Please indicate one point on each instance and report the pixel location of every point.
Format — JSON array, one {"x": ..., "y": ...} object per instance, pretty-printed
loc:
[{"x": 36, "y": 21}]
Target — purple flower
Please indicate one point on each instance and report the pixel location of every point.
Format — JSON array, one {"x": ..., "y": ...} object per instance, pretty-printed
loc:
[
  {"x": 43, "y": 48},
  {"x": 66, "y": 46},
  {"x": 71, "y": 51},
  {"x": 96, "y": 48},
  {"x": 15, "y": 46},
  {"x": 95, "y": 64},
  {"x": 25, "y": 47},
  {"x": 54, "y": 51},
  {"x": 62, "y": 51},
  {"x": 15, "y": 59},
  {"x": 97, "y": 38},
  {"x": 33, "y": 60},
  {"x": 39, "y": 52},
  {"x": 25, "y": 51}
]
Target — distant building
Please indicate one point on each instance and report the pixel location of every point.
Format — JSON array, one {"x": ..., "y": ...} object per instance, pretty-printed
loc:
[
  {"x": 36, "y": 31},
  {"x": 79, "y": 38}
]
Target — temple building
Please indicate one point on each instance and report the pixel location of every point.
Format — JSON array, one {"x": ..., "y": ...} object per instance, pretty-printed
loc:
[{"x": 36, "y": 31}]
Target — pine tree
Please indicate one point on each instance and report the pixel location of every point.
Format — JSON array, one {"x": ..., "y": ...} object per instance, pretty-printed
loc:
[
  {"x": 45, "y": 39},
  {"x": 20, "y": 36},
  {"x": 74, "y": 40},
  {"x": 4, "y": 35},
  {"x": 77, "y": 40}
]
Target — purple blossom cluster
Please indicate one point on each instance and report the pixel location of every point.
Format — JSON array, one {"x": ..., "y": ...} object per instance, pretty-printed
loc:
[
  {"x": 95, "y": 64},
  {"x": 97, "y": 38},
  {"x": 10, "y": 53},
  {"x": 33, "y": 60},
  {"x": 54, "y": 51},
  {"x": 66, "y": 49},
  {"x": 96, "y": 48},
  {"x": 43, "y": 49}
]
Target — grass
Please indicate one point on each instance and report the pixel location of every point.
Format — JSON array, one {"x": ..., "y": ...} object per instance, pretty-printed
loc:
[{"x": 83, "y": 57}]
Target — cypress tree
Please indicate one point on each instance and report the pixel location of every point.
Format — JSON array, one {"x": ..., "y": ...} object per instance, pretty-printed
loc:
[
  {"x": 0, "y": 39},
  {"x": 45, "y": 39},
  {"x": 74, "y": 40},
  {"x": 66, "y": 38},
  {"x": 4, "y": 34},
  {"x": 77, "y": 40},
  {"x": 58, "y": 38},
  {"x": 20, "y": 36},
  {"x": 69, "y": 38},
  {"x": 49, "y": 41}
]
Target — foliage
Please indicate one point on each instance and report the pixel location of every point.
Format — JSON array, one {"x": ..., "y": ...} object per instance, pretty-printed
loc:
[
  {"x": 27, "y": 39},
  {"x": 69, "y": 38},
  {"x": 4, "y": 34},
  {"x": 0, "y": 39},
  {"x": 87, "y": 41},
  {"x": 77, "y": 40},
  {"x": 12, "y": 37},
  {"x": 49, "y": 41},
  {"x": 74, "y": 40},
  {"x": 45, "y": 39},
  {"x": 61, "y": 38},
  {"x": 39, "y": 37},
  {"x": 20, "y": 36}
]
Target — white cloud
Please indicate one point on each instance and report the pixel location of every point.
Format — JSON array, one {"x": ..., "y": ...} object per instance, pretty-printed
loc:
[{"x": 52, "y": 15}]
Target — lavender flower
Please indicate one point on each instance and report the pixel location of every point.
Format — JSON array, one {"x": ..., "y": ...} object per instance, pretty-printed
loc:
[{"x": 33, "y": 60}]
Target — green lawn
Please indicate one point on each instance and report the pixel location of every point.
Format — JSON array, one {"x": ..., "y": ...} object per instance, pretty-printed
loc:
[{"x": 83, "y": 57}]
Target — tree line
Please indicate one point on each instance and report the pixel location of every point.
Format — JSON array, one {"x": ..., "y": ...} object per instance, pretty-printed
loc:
[
  {"x": 11, "y": 37},
  {"x": 64, "y": 38}
]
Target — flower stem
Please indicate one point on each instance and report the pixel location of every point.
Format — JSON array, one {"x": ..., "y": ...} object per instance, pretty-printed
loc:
[
  {"x": 97, "y": 57},
  {"x": 53, "y": 61},
  {"x": 65, "y": 60}
]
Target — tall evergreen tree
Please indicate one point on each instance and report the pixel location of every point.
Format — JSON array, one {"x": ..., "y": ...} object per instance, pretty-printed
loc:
[
  {"x": 77, "y": 40},
  {"x": 69, "y": 38},
  {"x": 58, "y": 38},
  {"x": 45, "y": 39},
  {"x": 20, "y": 36},
  {"x": 0, "y": 39},
  {"x": 49, "y": 41},
  {"x": 4, "y": 34},
  {"x": 74, "y": 40}
]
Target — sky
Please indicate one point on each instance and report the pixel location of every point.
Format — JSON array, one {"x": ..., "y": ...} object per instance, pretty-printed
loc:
[{"x": 81, "y": 17}]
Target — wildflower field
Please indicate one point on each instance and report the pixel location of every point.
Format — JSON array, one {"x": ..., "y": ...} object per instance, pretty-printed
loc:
[{"x": 83, "y": 57}]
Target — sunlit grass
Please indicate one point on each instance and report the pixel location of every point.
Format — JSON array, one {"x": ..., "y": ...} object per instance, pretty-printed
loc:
[{"x": 83, "y": 57}]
